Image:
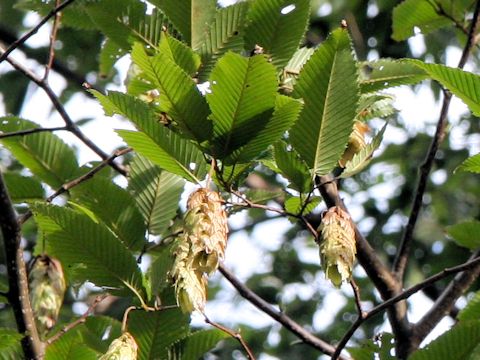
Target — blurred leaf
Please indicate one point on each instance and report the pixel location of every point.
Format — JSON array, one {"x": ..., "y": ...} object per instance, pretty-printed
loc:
[
  {"x": 156, "y": 331},
  {"x": 70, "y": 347},
  {"x": 466, "y": 234},
  {"x": 157, "y": 193},
  {"x": 361, "y": 159},
  {"x": 44, "y": 153},
  {"x": 115, "y": 207},
  {"x": 410, "y": 14},
  {"x": 458, "y": 343},
  {"x": 87, "y": 250},
  {"x": 199, "y": 342},
  {"x": 472, "y": 164},
  {"x": 99, "y": 331},
  {"x": 10, "y": 347},
  {"x": 387, "y": 73},
  {"x": 293, "y": 168},
  {"x": 295, "y": 204},
  {"x": 277, "y": 26},
  {"x": 463, "y": 84},
  {"x": 472, "y": 310},
  {"x": 369, "y": 349},
  {"x": 242, "y": 99},
  {"x": 328, "y": 86},
  {"x": 23, "y": 188}
]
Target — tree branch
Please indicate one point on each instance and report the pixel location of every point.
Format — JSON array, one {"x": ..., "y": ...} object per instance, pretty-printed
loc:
[
  {"x": 33, "y": 31},
  {"x": 31, "y": 131},
  {"x": 403, "y": 251},
  {"x": 67, "y": 186},
  {"x": 53, "y": 37},
  {"x": 18, "y": 294},
  {"x": 473, "y": 263},
  {"x": 292, "y": 326},
  {"x": 69, "y": 123}
]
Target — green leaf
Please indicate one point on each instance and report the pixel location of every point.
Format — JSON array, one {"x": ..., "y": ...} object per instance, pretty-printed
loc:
[
  {"x": 23, "y": 188},
  {"x": 168, "y": 151},
  {"x": 285, "y": 114},
  {"x": 10, "y": 347},
  {"x": 242, "y": 99},
  {"x": 156, "y": 331},
  {"x": 277, "y": 26},
  {"x": 161, "y": 265},
  {"x": 375, "y": 106},
  {"x": 190, "y": 17},
  {"x": 472, "y": 310},
  {"x": 157, "y": 193},
  {"x": 296, "y": 204},
  {"x": 109, "y": 55},
  {"x": 466, "y": 234},
  {"x": 472, "y": 164},
  {"x": 199, "y": 342},
  {"x": 361, "y": 159},
  {"x": 225, "y": 34},
  {"x": 387, "y": 73},
  {"x": 294, "y": 66},
  {"x": 43, "y": 153},
  {"x": 179, "y": 96},
  {"x": 88, "y": 250},
  {"x": 463, "y": 84},
  {"x": 161, "y": 145},
  {"x": 70, "y": 346},
  {"x": 179, "y": 53},
  {"x": 458, "y": 343},
  {"x": 328, "y": 86},
  {"x": 416, "y": 13},
  {"x": 380, "y": 348},
  {"x": 115, "y": 207},
  {"x": 99, "y": 331},
  {"x": 292, "y": 167}
]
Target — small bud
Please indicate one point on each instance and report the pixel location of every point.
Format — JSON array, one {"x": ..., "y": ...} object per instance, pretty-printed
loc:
[
  {"x": 337, "y": 245},
  {"x": 47, "y": 289},
  {"x": 123, "y": 348},
  {"x": 356, "y": 142}
]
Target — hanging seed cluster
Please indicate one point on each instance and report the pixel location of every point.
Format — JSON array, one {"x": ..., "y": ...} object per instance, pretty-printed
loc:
[
  {"x": 356, "y": 142},
  {"x": 337, "y": 245},
  {"x": 199, "y": 249},
  {"x": 123, "y": 348},
  {"x": 47, "y": 288}
]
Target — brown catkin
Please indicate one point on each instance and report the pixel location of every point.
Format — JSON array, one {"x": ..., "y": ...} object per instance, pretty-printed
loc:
[
  {"x": 47, "y": 289},
  {"x": 337, "y": 245},
  {"x": 199, "y": 249},
  {"x": 356, "y": 142}
]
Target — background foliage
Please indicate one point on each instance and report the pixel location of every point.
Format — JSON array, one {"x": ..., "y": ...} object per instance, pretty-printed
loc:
[{"x": 274, "y": 120}]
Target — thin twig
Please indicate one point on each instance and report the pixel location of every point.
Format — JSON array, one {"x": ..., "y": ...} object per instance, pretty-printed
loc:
[
  {"x": 18, "y": 294},
  {"x": 475, "y": 262},
  {"x": 289, "y": 324},
  {"x": 31, "y": 131},
  {"x": 358, "y": 300},
  {"x": 33, "y": 31},
  {"x": 403, "y": 251},
  {"x": 67, "y": 186},
  {"x": 53, "y": 38},
  {"x": 235, "y": 334},
  {"x": 70, "y": 124},
  {"x": 78, "y": 321}
]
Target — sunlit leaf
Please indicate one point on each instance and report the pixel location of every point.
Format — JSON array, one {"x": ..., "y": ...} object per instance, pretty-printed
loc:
[
  {"x": 466, "y": 234},
  {"x": 472, "y": 164},
  {"x": 328, "y": 86}
]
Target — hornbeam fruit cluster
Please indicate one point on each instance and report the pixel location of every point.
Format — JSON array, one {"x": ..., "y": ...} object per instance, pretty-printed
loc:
[
  {"x": 199, "y": 249},
  {"x": 337, "y": 245},
  {"x": 356, "y": 142},
  {"x": 122, "y": 348},
  {"x": 47, "y": 288}
]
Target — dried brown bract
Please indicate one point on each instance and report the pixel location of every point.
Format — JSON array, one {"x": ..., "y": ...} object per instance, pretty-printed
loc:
[
  {"x": 356, "y": 142},
  {"x": 122, "y": 348}
]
